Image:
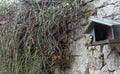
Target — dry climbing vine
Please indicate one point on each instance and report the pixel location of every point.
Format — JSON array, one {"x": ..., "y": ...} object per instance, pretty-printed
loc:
[{"x": 36, "y": 35}]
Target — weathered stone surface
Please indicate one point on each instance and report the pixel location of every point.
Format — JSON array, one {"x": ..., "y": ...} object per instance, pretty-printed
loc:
[
  {"x": 104, "y": 69},
  {"x": 97, "y": 59},
  {"x": 97, "y": 54},
  {"x": 112, "y": 1},
  {"x": 106, "y": 51},
  {"x": 78, "y": 33},
  {"x": 98, "y": 72},
  {"x": 79, "y": 66},
  {"x": 113, "y": 61},
  {"x": 86, "y": 1},
  {"x": 57, "y": 71},
  {"x": 103, "y": 72},
  {"x": 83, "y": 21},
  {"x": 117, "y": 2},
  {"x": 117, "y": 72},
  {"x": 116, "y": 13},
  {"x": 105, "y": 11},
  {"x": 98, "y": 3},
  {"x": 91, "y": 6},
  {"x": 103, "y": 3},
  {"x": 106, "y": 72},
  {"x": 86, "y": 58},
  {"x": 78, "y": 48},
  {"x": 116, "y": 47},
  {"x": 83, "y": 68}
]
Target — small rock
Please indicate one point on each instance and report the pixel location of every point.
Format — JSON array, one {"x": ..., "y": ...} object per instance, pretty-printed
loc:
[{"x": 91, "y": 70}]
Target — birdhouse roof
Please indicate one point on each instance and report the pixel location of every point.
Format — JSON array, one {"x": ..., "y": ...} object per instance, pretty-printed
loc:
[{"x": 100, "y": 21}]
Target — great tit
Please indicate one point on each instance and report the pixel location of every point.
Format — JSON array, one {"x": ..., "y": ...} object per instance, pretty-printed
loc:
[{"x": 90, "y": 40}]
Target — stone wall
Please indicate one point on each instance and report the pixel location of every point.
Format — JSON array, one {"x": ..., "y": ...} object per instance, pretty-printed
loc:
[{"x": 88, "y": 61}]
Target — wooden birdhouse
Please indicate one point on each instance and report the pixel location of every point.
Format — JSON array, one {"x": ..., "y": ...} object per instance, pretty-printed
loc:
[{"x": 104, "y": 31}]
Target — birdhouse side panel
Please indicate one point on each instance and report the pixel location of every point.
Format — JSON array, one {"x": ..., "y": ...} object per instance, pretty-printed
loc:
[{"x": 116, "y": 31}]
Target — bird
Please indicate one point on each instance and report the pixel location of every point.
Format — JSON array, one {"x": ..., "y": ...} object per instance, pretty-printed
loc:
[{"x": 90, "y": 41}]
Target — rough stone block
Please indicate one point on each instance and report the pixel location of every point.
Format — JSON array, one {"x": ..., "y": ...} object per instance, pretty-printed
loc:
[
  {"x": 98, "y": 72},
  {"x": 100, "y": 3},
  {"x": 89, "y": 6},
  {"x": 106, "y": 51},
  {"x": 117, "y": 2},
  {"x": 79, "y": 67},
  {"x": 78, "y": 33},
  {"x": 104, "y": 69},
  {"x": 116, "y": 13},
  {"x": 105, "y": 11},
  {"x": 112, "y": 1},
  {"x": 117, "y": 72},
  {"x": 78, "y": 48},
  {"x": 113, "y": 61},
  {"x": 97, "y": 54}
]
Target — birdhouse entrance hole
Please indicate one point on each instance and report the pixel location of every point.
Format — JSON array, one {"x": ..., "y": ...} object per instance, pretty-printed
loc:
[{"x": 102, "y": 32}]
